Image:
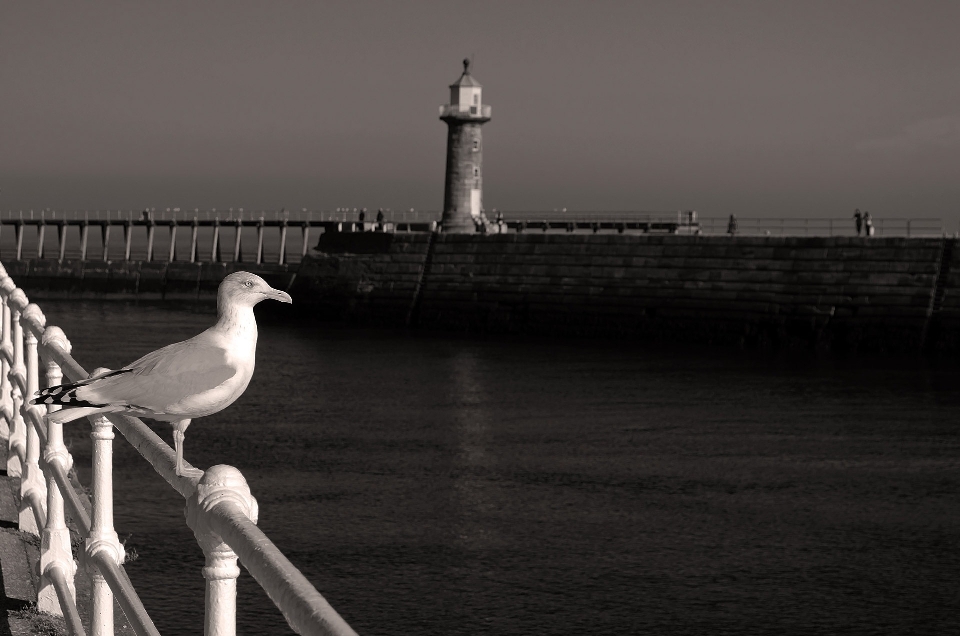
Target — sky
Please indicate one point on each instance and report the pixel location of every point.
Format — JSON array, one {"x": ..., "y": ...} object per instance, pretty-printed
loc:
[{"x": 772, "y": 108}]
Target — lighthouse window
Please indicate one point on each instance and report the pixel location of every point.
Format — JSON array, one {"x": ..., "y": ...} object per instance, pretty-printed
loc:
[
  {"x": 476, "y": 172},
  {"x": 473, "y": 110},
  {"x": 476, "y": 99},
  {"x": 476, "y": 145}
]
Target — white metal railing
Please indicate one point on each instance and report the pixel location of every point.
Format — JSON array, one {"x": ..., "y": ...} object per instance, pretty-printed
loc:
[{"x": 220, "y": 509}]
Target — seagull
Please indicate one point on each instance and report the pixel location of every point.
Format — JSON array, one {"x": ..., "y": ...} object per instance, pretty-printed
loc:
[{"x": 184, "y": 380}]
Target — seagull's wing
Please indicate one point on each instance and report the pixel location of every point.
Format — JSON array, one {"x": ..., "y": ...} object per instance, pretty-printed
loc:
[{"x": 160, "y": 380}]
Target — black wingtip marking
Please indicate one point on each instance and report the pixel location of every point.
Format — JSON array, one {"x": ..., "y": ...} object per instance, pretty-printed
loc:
[{"x": 66, "y": 393}]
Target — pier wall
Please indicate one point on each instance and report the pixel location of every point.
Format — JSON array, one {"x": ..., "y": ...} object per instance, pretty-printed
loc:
[
  {"x": 895, "y": 294},
  {"x": 879, "y": 294}
]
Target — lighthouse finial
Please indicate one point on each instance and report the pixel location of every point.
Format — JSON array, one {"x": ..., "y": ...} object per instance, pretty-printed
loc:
[{"x": 466, "y": 65}]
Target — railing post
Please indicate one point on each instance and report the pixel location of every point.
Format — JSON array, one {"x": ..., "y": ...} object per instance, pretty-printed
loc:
[
  {"x": 55, "y": 549},
  {"x": 10, "y": 412},
  {"x": 32, "y": 485},
  {"x": 103, "y": 537},
  {"x": 219, "y": 483},
  {"x": 18, "y": 436},
  {"x": 5, "y": 412}
]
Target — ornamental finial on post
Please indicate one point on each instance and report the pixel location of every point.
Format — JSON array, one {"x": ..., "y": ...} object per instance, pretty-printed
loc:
[
  {"x": 225, "y": 483},
  {"x": 53, "y": 335},
  {"x": 18, "y": 299},
  {"x": 33, "y": 314}
]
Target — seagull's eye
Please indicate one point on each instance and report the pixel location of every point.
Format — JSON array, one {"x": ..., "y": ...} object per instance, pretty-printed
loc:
[{"x": 248, "y": 283}]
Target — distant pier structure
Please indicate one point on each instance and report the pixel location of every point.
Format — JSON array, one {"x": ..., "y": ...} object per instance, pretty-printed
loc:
[{"x": 463, "y": 187}]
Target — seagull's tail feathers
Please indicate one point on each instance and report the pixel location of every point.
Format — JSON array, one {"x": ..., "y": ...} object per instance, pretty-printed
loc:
[{"x": 68, "y": 415}]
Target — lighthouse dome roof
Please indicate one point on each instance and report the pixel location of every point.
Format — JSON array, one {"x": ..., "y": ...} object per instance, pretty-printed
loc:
[{"x": 466, "y": 79}]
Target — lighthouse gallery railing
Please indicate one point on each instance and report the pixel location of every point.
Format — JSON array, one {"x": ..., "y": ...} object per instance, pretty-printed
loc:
[{"x": 220, "y": 509}]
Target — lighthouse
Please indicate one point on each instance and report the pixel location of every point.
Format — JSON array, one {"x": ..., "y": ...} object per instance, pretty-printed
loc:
[{"x": 463, "y": 186}]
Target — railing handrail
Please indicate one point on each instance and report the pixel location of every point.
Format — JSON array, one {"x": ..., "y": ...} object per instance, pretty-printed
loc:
[{"x": 221, "y": 510}]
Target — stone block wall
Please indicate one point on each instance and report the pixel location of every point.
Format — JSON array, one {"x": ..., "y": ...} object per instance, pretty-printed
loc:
[
  {"x": 365, "y": 277},
  {"x": 836, "y": 292},
  {"x": 896, "y": 294}
]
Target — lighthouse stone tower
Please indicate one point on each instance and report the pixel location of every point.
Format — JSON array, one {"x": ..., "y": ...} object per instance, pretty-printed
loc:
[{"x": 463, "y": 188}]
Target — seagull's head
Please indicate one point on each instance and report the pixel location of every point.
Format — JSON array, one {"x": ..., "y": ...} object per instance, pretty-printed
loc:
[{"x": 244, "y": 289}]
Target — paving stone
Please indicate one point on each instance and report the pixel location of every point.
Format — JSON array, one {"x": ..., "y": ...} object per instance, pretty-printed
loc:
[{"x": 18, "y": 582}]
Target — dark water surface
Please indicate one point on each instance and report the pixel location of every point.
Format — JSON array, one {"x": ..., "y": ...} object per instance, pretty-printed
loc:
[{"x": 435, "y": 485}]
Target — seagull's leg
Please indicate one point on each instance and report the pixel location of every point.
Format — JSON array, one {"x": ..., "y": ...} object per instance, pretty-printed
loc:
[{"x": 179, "y": 432}]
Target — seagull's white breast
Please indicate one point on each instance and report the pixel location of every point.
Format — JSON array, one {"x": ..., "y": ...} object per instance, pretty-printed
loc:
[{"x": 240, "y": 345}]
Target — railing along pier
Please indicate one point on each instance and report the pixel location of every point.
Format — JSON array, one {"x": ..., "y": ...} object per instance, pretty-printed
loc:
[
  {"x": 144, "y": 237},
  {"x": 219, "y": 506}
]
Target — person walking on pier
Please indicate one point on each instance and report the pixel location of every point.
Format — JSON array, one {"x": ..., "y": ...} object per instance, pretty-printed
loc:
[
  {"x": 867, "y": 224},
  {"x": 380, "y": 219},
  {"x": 858, "y": 220},
  {"x": 732, "y": 225}
]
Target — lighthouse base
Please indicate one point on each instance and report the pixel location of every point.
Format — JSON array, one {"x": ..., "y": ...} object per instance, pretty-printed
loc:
[{"x": 456, "y": 222}]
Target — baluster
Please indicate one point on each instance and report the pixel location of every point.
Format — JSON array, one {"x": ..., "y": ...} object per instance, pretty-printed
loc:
[
  {"x": 237, "y": 250},
  {"x": 193, "y": 240},
  {"x": 306, "y": 238},
  {"x": 6, "y": 386},
  {"x": 32, "y": 485},
  {"x": 105, "y": 237},
  {"x": 103, "y": 537},
  {"x": 172, "y": 256},
  {"x": 17, "y": 442},
  {"x": 127, "y": 237},
  {"x": 215, "y": 247},
  {"x": 260, "y": 241},
  {"x": 219, "y": 483},
  {"x": 41, "y": 233},
  {"x": 55, "y": 549},
  {"x": 62, "y": 236},
  {"x": 151, "y": 227},
  {"x": 84, "y": 234},
  {"x": 283, "y": 241},
  {"x": 19, "y": 230}
]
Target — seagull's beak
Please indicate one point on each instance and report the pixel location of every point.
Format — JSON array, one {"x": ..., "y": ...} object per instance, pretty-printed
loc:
[{"x": 276, "y": 294}]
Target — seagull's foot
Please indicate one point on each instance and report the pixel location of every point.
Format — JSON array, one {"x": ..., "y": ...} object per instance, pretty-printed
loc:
[{"x": 189, "y": 471}]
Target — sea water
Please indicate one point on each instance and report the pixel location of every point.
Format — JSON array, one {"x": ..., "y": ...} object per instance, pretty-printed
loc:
[{"x": 431, "y": 484}]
